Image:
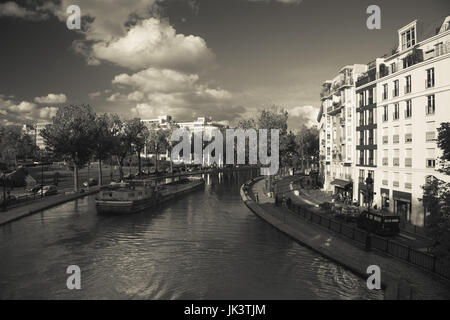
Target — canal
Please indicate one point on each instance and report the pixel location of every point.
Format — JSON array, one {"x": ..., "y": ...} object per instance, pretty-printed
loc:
[{"x": 206, "y": 245}]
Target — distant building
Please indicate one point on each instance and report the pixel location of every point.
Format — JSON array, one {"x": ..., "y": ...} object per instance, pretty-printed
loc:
[
  {"x": 40, "y": 143},
  {"x": 202, "y": 124}
]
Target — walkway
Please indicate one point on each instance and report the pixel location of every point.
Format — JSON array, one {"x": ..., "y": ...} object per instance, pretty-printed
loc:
[
  {"x": 400, "y": 279},
  {"x": 40, "y": 205}
]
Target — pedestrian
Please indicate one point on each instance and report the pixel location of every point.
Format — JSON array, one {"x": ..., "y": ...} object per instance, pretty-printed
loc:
[{"x": 257, "y": 198}]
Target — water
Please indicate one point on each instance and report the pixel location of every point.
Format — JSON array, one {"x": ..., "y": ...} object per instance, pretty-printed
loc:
[{"x": 206, "y": 245}]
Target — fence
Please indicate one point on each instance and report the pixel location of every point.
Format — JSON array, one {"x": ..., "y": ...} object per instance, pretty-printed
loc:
[{"x": 411, "y": 255}]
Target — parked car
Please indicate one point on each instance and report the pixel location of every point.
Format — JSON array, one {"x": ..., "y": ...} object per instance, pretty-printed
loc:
[
  {"x": 48, "y": 190},
  {"x": 90, "y": 183},
  {"x": 34, "y": 189}
]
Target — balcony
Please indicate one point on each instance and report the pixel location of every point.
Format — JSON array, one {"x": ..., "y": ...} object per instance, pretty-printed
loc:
[
  {"x": 408, "y": 185},
  {"x": 430, "y": 136},
  {"x": 408, "y": 137},
  {"x": 408, "y": 162},
  {"x": 396, "y": 162},
  {"x": 385, "y": 162},
  {"x": 396, "y": 138}
]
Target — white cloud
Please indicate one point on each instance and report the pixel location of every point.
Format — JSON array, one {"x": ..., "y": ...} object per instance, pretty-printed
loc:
[
  {"x": 52, "y": 98},
  {"x": 159, "y": 80},
  {"x": 155, "y": 43},
  {"x": 47, "y": 112},
  {"x": 306, "y": 115},
  {"x": 23, "y": 107},
  {"x": 11, "y": 9}
]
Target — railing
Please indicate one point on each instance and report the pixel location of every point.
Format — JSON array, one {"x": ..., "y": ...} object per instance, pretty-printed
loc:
[
  {"x": 420, "y": 259},
  {"x": 408, "y": 162},
  {"x": 408, "y": 137},
  {"x": 430, "y": 136},
  {"x": 396, "y": 162},
  {"x": 396, "y": 138}
]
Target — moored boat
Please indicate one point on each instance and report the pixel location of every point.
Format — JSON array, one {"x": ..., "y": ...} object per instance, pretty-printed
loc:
[{"x": 135, "y": 196}]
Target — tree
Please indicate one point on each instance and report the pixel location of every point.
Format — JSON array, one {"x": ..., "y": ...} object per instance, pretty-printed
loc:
[
  {"x": 436, "y": 198},
  {"x": 104, "y": 140},
  {"x": 72, "y": 135},
  {"x": 137, "y": 133},
  {"x": 15, "y": 144},
  {"x": 122, "y": 143},
  {"x": 156, "y": 142},
  {"x": 171, "y": 126}
]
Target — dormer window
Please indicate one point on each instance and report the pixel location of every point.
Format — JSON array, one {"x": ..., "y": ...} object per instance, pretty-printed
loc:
[{"x": 408, "y": 38}]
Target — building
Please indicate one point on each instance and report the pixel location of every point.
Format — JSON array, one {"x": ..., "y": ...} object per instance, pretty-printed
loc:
[
  {"x": 202, "y": 124},
  {"x": 402, "y": 99},
  {"x": 40, "y": 143},
  {"x": 337, "y": 126}
]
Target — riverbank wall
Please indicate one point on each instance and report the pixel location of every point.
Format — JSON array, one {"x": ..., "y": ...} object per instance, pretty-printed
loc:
[{"x": 400, "y": 281}]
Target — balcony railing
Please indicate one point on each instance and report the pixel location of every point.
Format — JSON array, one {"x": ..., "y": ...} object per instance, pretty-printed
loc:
[
  {"x": 408, "y": 137},
  {"x": 408, "y": 162},
  {"x": 430, "y": 136},
  {"x": 396, "y": 138},
  {"x": 396, "y": 162}
]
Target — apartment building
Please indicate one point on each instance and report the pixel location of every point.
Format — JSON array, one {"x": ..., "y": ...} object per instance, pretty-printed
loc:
[
  {"x": 40, "y": 143},
  {"x": 403, "y": 98},
  {"x": 201, "y": 124},
  {"x": 337, "y": 127}
]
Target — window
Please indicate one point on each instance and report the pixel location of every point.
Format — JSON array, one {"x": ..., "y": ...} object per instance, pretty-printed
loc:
[
  {"x": 396, "y": 181},
  {"x": 361, "y": 175},
  {"x": 408, "y": 38},
  {"x": 396, "y": 159},
  {"x": 408, "y": 134},
  {"x": 408, "y": 181},
  {"x": 395, "y": 92},
  {"x": 328, "y": 151},
  {"x": 430, "y": 78},
  {"x": 430, "y": 160},
  {"x": 408, "y": 158},
  {"x": 396, "y": 111},
  {"x": 385, "y": 113},
  {"x": 430, "y": 105},
  {"x": 408, "y": 110},
  {"x": 393, "y": 67},
  {"x": 408, "y": 84},
  {"x": 370, "y": 116},
  {"x": 430, "y": 133},
  {"x": 385, "y": 91}
]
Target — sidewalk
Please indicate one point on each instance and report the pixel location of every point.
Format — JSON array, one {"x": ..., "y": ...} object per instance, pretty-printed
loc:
[
  {"x": 40, "y": 205},
  {"x": 400, "y": 279}
]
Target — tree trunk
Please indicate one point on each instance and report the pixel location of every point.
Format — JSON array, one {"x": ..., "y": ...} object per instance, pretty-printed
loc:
[
  {"x": 139, "y": 163},
  {"x": 75, "y": 177},
  {"x": 100, "y": 179}
]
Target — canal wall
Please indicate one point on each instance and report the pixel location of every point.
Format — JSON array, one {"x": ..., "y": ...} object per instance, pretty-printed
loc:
[
  {"x": 399, "y": 280},
  {"x": 40, "y": 205}
]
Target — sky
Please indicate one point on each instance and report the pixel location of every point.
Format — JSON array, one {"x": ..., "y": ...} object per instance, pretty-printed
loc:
[{"x": 224, "y": 59}]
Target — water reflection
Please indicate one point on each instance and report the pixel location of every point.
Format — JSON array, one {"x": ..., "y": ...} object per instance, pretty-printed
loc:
[{"x": 206, "y": 245}]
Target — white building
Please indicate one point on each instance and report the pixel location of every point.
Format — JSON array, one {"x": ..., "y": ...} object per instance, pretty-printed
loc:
[
  {"x": 336, "y": 124},
  {"x": 409, "y": 93}
]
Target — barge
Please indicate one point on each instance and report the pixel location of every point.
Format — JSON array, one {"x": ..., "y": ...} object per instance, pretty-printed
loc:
[{"x": 135, "y": 196}]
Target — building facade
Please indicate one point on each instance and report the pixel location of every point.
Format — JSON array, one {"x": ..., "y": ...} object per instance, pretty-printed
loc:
[
  {"x": 336, "y": 124},
  {"x": 402, "y": 98}
]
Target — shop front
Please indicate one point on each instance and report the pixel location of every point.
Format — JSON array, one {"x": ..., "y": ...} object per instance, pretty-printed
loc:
[{"x": 402, "y": 205}]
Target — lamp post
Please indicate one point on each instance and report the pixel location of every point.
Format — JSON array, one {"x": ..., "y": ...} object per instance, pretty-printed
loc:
[
  {"x": 4, "y": 190},
  {"x": 369, "y": 188}
]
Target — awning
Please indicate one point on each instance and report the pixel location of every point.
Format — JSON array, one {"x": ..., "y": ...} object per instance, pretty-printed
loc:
[{"x": 341, "y": 183}]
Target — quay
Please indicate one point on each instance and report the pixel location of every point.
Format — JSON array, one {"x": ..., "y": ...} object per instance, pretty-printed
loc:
[{"x": 399, "y": 279}]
